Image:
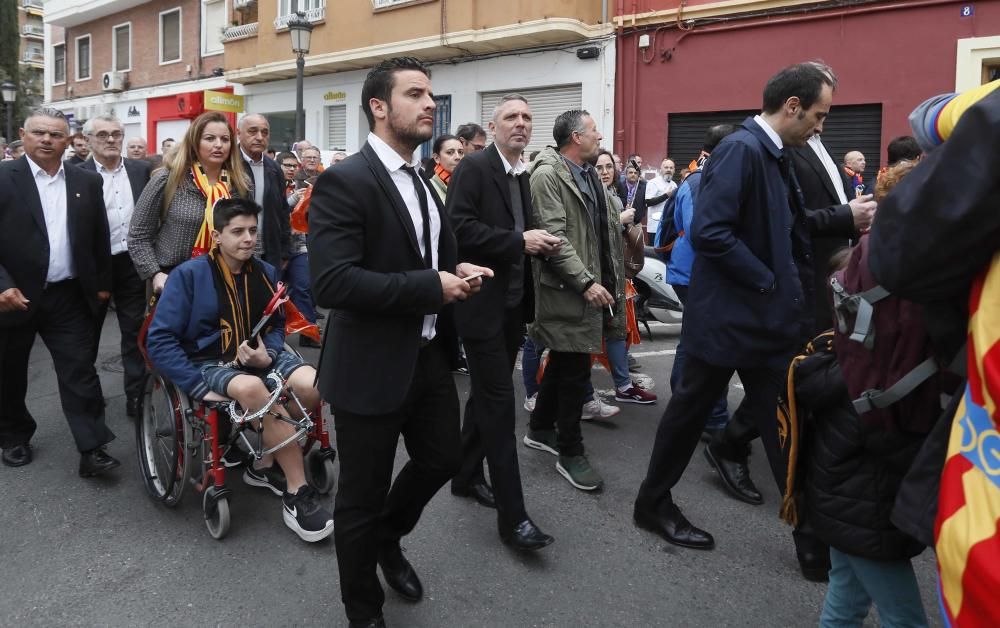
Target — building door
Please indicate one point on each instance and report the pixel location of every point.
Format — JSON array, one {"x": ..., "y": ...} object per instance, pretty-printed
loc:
[
  {"x": 442, "y": 124},
  {"x": 336, "y": 127},
  {"x": 173, "y": 129},
  {"x": 546, "y": 104},
  {"x": 849, "y": 127}
]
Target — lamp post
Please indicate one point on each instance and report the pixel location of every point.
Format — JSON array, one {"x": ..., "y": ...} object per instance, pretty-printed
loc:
[
  {"x": 301, "y": 31},
  {"x": 9, "y": 92}
]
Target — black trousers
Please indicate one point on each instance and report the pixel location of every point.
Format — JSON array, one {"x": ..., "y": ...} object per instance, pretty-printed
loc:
[
  {"x": 684, "y": 419},
  {"x": 488, "y": 428},
  {"x": 66, "y": 324},
  {"x": 560, "y": 399},
  {"x": 368, "y": 511},
  {"x": 130, "y": 306}
]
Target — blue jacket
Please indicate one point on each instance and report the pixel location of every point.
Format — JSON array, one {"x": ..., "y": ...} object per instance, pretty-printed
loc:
[
  {"x": 748, "y": 305},
  {"x": 682, "y": 255},
  {"x": 187, "y": 321}
]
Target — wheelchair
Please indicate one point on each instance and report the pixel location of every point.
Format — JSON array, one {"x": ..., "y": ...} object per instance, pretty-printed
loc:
[{"x": 181, "y": 441}]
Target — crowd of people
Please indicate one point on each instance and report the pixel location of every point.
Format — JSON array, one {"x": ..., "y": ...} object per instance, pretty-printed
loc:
[{"x": 482, "y": 253}]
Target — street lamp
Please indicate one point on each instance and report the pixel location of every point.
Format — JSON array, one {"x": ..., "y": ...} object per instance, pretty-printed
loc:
[
  {"x": 301, "y": 31},
  {"x": 9, "y": 92}
]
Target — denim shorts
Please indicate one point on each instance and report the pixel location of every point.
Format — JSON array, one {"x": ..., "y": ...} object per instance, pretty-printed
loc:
[{"x": 217, "y": 376}]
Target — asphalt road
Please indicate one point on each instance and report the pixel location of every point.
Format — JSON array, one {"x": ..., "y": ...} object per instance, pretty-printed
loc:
[{"x": 100, "y": 552}]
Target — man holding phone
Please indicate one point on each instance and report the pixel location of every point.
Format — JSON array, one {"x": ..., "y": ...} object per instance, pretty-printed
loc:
[{"x": 489, "y": 201}]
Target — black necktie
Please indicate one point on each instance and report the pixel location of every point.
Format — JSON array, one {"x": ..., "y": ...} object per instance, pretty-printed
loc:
[{"x": 418, "y": 187}]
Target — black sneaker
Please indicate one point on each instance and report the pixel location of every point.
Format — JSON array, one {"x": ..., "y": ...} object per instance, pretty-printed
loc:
[
  {"x": 304, "y": 515},
  {"x": 270, "y": 478}
]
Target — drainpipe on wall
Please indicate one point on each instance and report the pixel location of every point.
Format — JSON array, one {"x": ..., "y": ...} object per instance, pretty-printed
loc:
[{"x": 604, "y": 11}]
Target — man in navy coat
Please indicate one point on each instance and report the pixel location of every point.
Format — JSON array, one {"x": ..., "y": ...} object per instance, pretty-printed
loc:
[{"x": 750, "y": 300}]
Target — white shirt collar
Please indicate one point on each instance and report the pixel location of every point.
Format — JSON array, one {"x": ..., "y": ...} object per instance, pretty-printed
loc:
[
  {"x": 388, "y": 155},
  {"x": 516, "y": 169},
  {"x": 35, "y": 168},
  {"x": 100, "y": 166},
  {"x": 770, "y": 132},
  {"x": 247, "y": 157}
]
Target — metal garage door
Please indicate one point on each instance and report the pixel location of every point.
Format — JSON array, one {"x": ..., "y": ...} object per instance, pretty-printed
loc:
[
  {"x": 336, "y": 127},
  {"x": 849, "y": 127},
  {"x": 546, "y": 104}
]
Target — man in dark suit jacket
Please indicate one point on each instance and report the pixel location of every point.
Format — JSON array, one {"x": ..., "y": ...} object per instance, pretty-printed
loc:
[
  {"x": 489, "y": 201},
  {"x": 835, "y": 217},
  {"x": 383, "y": 257},
  {"x": 55, "y": 271},
  {"x": 274, "y": 245},
  {"x": 123, "y": 180},
  {"x": 749, "y": 303}
]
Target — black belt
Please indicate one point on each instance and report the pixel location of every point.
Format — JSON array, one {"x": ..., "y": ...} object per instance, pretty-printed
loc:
[
  {"x": 424, "y": 342},
  {"x": 57, "y": 284}
]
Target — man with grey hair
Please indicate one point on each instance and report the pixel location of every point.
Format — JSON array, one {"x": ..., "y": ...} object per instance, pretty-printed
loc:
[
  {"x": 124, "y": 180},
  {"x": 489, "y": 201},
  {"x": 575, "y": 288},
  {"x": 136, "y": 148},
  {"x": 55, "y": 270},
  {"x": 273, "y": 235}
]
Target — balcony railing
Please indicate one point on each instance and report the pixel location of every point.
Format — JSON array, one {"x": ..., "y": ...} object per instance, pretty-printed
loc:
[
  {"x": 33, "y": 30},
  {"x": 242, "y": 4},
  {"x": 32, "y": 4},
  {"x": 243, "y": 31},
  {"x": 313, "y": 15},
  {"x": 31, "y": 56}
]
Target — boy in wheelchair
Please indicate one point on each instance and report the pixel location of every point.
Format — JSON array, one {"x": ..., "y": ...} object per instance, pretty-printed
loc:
[{"x": 199, "y": 338}]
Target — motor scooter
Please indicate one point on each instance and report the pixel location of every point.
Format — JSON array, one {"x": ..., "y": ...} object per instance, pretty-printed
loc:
[{"x": 656, "y": 300}]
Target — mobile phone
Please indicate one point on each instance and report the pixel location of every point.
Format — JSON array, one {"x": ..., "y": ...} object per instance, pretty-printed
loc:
[{"x": 472, "y": 276}]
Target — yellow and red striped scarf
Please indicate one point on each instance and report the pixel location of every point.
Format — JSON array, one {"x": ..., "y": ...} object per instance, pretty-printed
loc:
[
  {"x": 967, "y": 529},
  {"x": 212, "y": 193}
]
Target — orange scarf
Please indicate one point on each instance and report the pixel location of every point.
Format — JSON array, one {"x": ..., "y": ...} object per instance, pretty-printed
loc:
[
  {"x": 442, "y": 174},
  {"x": 212, "y": 193}
]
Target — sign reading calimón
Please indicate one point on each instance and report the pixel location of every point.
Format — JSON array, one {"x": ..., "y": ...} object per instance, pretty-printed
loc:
[{"x": 221, "y": 101}]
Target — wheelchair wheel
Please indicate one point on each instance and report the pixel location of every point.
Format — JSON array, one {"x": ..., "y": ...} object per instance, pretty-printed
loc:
[
  {"x": 320, "y": 471},
  {"x": 161, "y": 433},
  {"x": 216, "y": 510}
]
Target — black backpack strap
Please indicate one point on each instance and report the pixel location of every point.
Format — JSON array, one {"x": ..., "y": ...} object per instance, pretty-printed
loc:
[{"x": 874, "y": 398}]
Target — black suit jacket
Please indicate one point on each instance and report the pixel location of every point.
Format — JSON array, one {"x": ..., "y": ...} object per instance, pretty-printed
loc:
[
  {"x": 638, "y": 201},
  {"x": 366, "y": 265},
  {"x": 480, "y": 207},
  {"x": 24, "y": 242},
  {"x": 831, "y": 224},
  {"x": 137, "y": 170},
  {"x": 276, "y": 227}
]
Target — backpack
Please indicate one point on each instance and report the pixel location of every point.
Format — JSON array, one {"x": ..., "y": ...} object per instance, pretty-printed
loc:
[
  {"x": 884, "y": 350},
  {"x": 666, "y": 232}
]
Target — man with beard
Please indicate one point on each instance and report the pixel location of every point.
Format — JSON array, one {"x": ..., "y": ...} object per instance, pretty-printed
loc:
[
  {"x": 384, "y": 259},
  {"x": 490, "y": 204}
]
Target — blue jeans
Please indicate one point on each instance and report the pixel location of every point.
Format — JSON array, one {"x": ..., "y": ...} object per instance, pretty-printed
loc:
[
  {"x": 531, "y": 359},
  {"x": 720, "y": 412},
  {"x": 856, "y": 582},
  {"x": 618, "y": 359},
  {"x": 296, "y": 274}
]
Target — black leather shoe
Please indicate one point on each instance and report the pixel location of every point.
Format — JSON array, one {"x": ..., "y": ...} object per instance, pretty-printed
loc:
[
  {"x": 736, "y": 478},
  {"x": 398, "y": 573},
  {"x": 17, "y": 456},
  {"x": 480, "y": 491},
  {"x": 524, "y": 536},
  {"x": 95, "y": 462},
  {"x": 132, "y": 407},
  {"x": 673, "y": 526},
  {"x": 378, "y": 622}
]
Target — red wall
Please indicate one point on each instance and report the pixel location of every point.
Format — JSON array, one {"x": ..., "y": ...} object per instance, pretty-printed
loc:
[{"x": 896, "y": 57}]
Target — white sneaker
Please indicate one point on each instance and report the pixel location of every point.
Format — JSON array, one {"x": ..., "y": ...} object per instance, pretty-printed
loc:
[
  {"x": 597, "y": 409},
  {"x": 529, "y": 402}
]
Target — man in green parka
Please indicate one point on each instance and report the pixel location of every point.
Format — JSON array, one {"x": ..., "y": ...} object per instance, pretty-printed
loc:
[{"x": 575, "y": 289}]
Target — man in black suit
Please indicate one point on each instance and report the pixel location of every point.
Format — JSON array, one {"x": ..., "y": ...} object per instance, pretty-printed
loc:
[
  {"x": 124, "y": 180},
  {"x": 835, "y": 216},
  {"x": 273, "y": 243},
  {"x": 55, "y": 271},
  {"x": 489, "y": 201},
  {"x": 383, "y": 257}
]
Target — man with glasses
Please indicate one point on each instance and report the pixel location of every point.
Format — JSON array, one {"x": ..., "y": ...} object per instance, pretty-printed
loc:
[
  {"x": 55, "y": 272},
  {"x": 296, "y": 272},
  {"x": 473, "y": 137},
  {"x": 124, "y": 180}
]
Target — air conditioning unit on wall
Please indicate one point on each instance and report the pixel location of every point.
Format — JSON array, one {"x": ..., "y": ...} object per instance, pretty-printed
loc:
[{"x": 113, "y": 82}]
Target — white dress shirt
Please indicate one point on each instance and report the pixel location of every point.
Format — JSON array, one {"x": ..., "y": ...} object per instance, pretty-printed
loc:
[
  {"x": 516, "y": 169},
  {"x": 771, "y": 133},
  {"x": 404, "y": 183},
  {"x": 52, "y": 193},
  {"x": 816, "y": 144},
  {"x": 118, "y": 202},
  {"x": 657, "y": 186}
]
